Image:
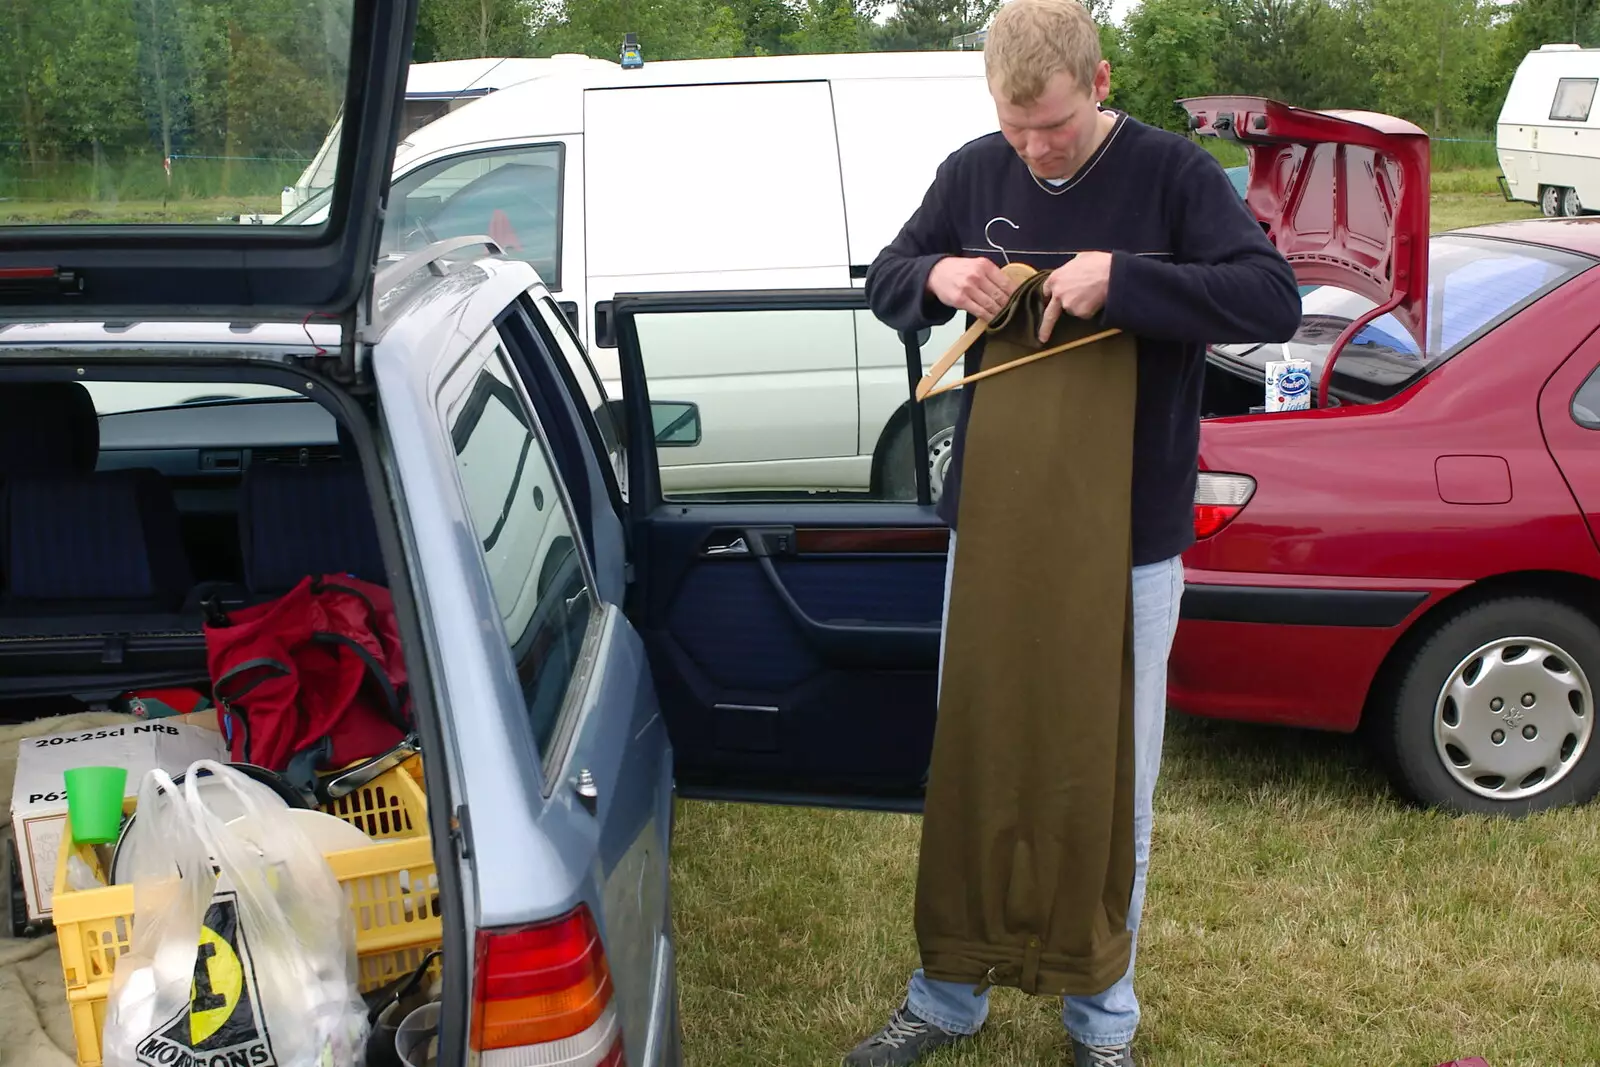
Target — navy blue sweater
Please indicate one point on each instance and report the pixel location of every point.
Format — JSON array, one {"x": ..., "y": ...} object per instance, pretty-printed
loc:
[{"x": 1190, "y": 267}]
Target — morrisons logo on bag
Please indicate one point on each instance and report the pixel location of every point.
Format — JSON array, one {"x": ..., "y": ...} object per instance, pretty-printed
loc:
[{"x": 222, "y": 1025}]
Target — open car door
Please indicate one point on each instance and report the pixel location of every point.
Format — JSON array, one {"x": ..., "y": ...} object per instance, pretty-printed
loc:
[{"x": 793, "y": 636}]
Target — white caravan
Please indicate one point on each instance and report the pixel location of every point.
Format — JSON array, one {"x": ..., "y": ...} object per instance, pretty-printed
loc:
[
  {"x": 1548, "y": 136},
  {"x": 772, "y": 172}
]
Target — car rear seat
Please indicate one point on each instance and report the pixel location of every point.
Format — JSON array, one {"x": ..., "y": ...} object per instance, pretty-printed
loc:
[
  {"x": 47, "y": 428},
  {"x": 296, "y": 521},
  {"x": 99, "y": 542},
  {"x": 94, "y": 573}
]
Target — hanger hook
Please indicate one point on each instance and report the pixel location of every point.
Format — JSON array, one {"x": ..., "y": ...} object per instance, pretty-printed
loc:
[{"x": 989, "y": 225}]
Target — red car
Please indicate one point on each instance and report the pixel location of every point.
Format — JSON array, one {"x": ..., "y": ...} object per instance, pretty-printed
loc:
[{"x": 1415, "y": 554}]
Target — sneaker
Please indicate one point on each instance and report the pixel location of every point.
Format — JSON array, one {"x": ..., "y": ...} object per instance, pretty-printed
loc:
[
  {"x": 905, "y": 1039},
  {"x": 1101, "y": 1055}
]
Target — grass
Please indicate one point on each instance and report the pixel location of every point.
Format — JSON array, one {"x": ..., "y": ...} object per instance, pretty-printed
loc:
[
  {"x": 1471, "y": 197},
  {"x": 197, "y": 210},
  {"x": 1296, "y": 914}
]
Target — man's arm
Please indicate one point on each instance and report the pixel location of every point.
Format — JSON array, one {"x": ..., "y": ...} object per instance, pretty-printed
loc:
[
  {"x": 1229, "y": 283},
  {"x": 897, "y": 281}
]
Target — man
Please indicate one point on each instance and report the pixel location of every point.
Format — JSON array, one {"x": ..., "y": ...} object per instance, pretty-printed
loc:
[{"x": 1142, "y": 231}]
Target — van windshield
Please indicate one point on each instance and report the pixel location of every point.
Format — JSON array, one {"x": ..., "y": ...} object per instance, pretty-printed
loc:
[{"x": 1474, "y": 284}]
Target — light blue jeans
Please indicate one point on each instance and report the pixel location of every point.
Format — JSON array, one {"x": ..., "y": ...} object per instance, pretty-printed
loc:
[{"x": 1107, "y": 1018}]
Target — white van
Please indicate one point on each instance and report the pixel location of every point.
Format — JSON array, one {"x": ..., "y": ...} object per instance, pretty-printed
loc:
[
  {"x": 774, "y": 172},
  {"x": 1549, "y": 131},
  {"x": 433, "y": 90}
]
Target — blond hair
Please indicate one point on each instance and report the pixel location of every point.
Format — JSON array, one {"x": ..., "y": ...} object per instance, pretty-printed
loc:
[{"x": 1031, "y": 41}]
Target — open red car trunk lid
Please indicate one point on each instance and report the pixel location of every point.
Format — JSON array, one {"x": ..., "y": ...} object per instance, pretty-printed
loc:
[{"x": 1342, "y": 194}]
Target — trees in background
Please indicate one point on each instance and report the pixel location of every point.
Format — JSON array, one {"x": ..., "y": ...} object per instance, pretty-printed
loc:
[{"x": 99, "y": 80}]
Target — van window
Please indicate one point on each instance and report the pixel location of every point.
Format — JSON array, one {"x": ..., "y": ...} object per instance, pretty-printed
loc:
[
  {"x": 519, "y": 517},
  {"x": 1574, "y": 99},
  {"x": 512, "y": 196}
]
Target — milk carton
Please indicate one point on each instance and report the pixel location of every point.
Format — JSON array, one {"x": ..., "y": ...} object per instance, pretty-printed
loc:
[{"x": 1289, "y": 385}]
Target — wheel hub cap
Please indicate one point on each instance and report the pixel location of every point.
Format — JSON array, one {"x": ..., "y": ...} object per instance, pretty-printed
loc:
[
  {"x": 1513, "y": 718},
  {"x": 940, "y": 447}
]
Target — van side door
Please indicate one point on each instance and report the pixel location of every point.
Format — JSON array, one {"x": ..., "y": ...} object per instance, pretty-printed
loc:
[{"x": 729, "y": 186}]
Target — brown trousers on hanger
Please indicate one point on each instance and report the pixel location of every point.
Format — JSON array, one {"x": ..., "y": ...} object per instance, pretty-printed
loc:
[{"x": 1026, "y": 868}]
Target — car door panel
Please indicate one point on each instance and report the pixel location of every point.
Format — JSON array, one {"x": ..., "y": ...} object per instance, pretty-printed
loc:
[
  {"x": 794, "y": 638},
  {"x": 551, "y": 813},
  {"x": 618, "y": 769}
]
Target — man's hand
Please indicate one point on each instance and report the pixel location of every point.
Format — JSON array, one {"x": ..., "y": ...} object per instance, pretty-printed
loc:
[
  {"x": 973, "y": 285},
  {"x": 1078, "y": 287}
]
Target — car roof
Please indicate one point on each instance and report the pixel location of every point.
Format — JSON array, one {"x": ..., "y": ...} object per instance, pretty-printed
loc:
[
  {"x": 18, "y": 340},
  {"x": 549, "y": 104},
  {"x": 162, "y": 332},
  {"x": 1580, "y": 235}
]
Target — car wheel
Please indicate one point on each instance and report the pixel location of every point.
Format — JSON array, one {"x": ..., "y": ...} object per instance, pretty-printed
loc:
[
  {"x": 897, "y": 480},
  {"x": 1550, "y": 201},
  {"x": 1571, "y": 206},
  {"x": 1494, "y": 713}
]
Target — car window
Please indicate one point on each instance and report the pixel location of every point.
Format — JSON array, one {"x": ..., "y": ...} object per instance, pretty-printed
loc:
[
  {"x": 1586, "y": 402},
  {"x": 115, "y": 397},
  {"x": 607, "y": 413},
  {"x": 790, "y": 404},
  {"x": 519, "y": 516},
  {"x": 512, "y": 196},
  {"x": 1574, "y": 99},
  {"x": 1473, "y": 285}
]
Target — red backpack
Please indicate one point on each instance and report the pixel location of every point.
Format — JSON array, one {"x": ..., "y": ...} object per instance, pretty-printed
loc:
[{"x": 313, "y": 680}]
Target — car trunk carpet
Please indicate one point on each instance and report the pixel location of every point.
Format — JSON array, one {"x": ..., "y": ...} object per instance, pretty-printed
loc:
[
  {"x": 35, "y": 1026},
  {"x": 1026, "y": 868}
]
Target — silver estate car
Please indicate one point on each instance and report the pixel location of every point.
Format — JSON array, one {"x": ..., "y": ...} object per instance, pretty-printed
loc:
[{"x": 581, "y": 650}]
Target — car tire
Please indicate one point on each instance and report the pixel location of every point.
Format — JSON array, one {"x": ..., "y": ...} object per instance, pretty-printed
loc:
[
  {"x": 897, "y": 467},
  {"x": 1481, "y": 754},
  {"x": 1550, "y": 201},
  {"x": 1571, "y": 206}
]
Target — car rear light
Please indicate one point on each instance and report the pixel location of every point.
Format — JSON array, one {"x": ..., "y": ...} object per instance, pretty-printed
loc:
[
  {"x": 1218, "y": 498},
  {"x": 543, "y": 996}
]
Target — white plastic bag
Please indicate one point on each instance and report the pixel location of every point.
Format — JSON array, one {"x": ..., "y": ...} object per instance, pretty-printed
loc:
[{"x": 242, "y": 950}]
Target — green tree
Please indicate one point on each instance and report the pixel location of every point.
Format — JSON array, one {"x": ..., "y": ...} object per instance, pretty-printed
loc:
[
  {"x": 472, "y": 29},
  {"x": 833, "y": 26},
  {"x": 1169, "y": 52},
  {"x": 1273, "y": 48},
  {"x": 918, "y": 25},
  {"x": 667, "y": 29},
  {"x": 1426, "y": 56}
]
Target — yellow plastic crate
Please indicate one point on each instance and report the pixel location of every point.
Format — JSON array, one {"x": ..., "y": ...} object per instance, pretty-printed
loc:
[{"x": 392, "y": 888}]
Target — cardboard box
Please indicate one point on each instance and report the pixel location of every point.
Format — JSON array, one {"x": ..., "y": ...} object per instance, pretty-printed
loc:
[{"x": 39, "y": 796}]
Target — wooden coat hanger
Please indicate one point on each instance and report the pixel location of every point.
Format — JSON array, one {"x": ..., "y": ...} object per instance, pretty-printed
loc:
[{"x": 925, "y": 388}]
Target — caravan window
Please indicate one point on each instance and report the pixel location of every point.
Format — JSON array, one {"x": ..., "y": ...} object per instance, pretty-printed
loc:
[
  {"x": 511, "y": 195},
  {"x": 1574, "y": 98}
]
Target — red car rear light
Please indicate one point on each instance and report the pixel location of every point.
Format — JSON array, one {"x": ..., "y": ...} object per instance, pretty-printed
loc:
[
  {"x": 545, "y": 984},
  {"x": 1218, "y": 498}
]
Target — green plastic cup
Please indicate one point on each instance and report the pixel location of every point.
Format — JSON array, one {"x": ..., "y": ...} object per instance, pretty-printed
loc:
[{"x": 94, "y": 803}]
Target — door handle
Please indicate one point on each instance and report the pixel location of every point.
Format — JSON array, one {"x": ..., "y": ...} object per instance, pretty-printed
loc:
[
  {"x": 588, "y": 792},
  {"x": 737, "y": 547}
]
